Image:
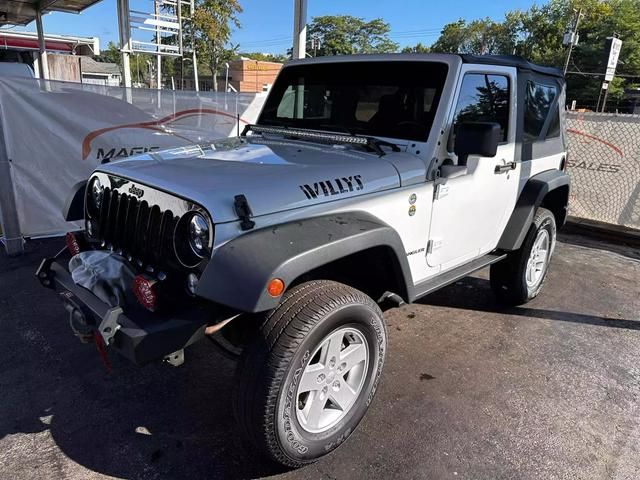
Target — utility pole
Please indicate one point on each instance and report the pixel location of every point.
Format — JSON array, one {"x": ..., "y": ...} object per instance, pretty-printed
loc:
[
  {"x": 158, "y": 56},
  {"x": 299, "y": 28},
  {"x": 571, "y": 39}
]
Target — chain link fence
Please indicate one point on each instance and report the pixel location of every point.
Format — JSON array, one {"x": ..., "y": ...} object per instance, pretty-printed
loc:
[{"x": 604, "y": 165}]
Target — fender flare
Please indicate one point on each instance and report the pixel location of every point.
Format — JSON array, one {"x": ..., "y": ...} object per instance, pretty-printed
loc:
[
  {"x": 531, "y": 197},
  {"x": 238, "y": 272}
]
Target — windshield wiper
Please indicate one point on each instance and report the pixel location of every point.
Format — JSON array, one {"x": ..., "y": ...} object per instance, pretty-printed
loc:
[{"x": 374, "y": 143}]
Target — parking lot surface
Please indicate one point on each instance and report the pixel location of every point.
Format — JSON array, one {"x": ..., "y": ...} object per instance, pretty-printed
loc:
[{"x": 470, "y": 389}]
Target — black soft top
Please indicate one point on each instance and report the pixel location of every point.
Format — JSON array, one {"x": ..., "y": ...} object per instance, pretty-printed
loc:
[{"x": 512, "y": 61}]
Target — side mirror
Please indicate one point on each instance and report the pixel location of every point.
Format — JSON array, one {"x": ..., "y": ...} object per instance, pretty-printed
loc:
[{"x": 476, "y": 138}]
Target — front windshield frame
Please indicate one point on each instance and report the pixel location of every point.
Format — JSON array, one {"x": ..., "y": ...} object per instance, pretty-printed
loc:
[{"x": 410, "y": 91}]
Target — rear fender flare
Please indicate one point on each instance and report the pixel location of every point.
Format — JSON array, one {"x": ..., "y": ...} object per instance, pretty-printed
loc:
[{"x": 531, "y": 197}]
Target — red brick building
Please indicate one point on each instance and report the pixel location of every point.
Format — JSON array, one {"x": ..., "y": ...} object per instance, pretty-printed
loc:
[{"x": 252, "y": 76}]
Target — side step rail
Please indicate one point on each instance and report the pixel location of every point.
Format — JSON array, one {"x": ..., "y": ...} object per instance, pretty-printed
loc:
[{"x": 453, "y": 275}]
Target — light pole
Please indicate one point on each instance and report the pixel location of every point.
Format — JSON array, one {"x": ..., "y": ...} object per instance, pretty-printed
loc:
[
  {"x": 150, "y": 72},
  {"x": 571, "y": 39},
  {"x": 226, "y": 77}
]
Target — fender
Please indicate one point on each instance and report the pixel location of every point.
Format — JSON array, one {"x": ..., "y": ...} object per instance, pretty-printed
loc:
[
  {"x": 531, "y": 197},
  {"x": 239, "y": 271},
  {"x": 73, "y": 209}
]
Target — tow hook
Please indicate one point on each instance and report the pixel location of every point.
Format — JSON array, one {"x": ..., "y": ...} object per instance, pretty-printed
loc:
[
  {"x": 175, "y": 359},
  {"x": 77, "y": 319}
]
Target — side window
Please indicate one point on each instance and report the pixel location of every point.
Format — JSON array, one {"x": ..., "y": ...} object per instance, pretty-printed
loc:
[
  {"x": 484, "y": 98},
  {"x": 287, "y": 104},
  {"x": 538, "y": 102}
]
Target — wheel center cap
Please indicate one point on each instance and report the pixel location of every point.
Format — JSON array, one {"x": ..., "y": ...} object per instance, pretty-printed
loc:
[{"x": 330, "y": 377}]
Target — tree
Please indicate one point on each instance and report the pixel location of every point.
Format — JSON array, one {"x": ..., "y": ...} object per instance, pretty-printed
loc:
[
  {"x": 110, "y": 55},
  {"x": 210, "y": 27},
  {"x": 346, "y": 35},
  {"x": 480, "y": 37},
  {"x": 536, "y": 34},
  {"x": 418, "y": 48}
]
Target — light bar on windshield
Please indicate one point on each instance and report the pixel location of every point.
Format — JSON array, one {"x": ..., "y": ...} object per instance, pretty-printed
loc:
[{"x": 314, "y": 134}]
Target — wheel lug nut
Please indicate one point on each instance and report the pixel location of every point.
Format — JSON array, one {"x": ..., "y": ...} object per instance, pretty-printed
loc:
[
  {"x": 332, "y": 362},
  {"x": 321, "y": 378},
  {"x": 325, "y": 389},
  {"x": 342, "y": 366},
  {"x": 336, "y": 385}
]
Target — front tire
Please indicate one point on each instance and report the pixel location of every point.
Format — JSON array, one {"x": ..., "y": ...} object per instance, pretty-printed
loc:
[
  {"x": 309, "y": 377},
  {"x": 519, "y": 278}
]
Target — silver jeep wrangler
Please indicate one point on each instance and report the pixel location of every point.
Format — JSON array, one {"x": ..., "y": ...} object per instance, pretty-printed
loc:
[{"x": 367, "y": 182}]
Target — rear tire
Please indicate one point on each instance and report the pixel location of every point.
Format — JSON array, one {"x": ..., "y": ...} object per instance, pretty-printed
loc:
[
  {"x": 518, "y": 278},
  {"x": 309, "y": 376}
]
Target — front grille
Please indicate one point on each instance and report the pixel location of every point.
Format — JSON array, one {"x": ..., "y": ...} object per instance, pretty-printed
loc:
[{"x": 140, "y": 230}]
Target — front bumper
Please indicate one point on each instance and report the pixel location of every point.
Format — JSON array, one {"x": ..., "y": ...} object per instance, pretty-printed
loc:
[{"x": 148, "y": 337}]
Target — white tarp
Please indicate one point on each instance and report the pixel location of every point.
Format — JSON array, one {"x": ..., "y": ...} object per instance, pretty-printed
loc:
[{"x": 57, "y": 133}]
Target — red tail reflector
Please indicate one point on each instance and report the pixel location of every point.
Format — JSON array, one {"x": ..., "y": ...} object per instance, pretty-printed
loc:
[
  {"x": 72, "y": 243},
  {"x": 145, "y": 291}
]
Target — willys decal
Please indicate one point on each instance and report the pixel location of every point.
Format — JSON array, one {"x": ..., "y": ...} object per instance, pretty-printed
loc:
[{"x": 337, "y": 186}]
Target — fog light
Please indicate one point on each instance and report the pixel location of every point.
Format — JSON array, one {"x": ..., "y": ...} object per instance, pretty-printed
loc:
[
  {"x": 192, "y": 283},
  {"x": 145, "y": 291},
  {"x": 72, "y": 243}
]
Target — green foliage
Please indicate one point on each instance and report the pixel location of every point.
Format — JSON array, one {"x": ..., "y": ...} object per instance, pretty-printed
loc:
[
  {"x": 536, "y": 34},
  {"x": 347, "y": 35},
  {"x": 110, "y": 55},
  {"x": 418, "y": 48},
  {"x": 211, "y": 26}
]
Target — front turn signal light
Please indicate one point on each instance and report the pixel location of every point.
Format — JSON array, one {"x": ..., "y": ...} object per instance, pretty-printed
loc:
[{"x": 275, "y": 287}]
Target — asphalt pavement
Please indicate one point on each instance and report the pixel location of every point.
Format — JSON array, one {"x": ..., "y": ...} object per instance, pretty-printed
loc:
[{"x": 470, "y": 389}]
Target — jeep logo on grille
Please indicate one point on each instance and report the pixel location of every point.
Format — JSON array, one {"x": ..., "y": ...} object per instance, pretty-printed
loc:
[{"x": 138, "y": 192}]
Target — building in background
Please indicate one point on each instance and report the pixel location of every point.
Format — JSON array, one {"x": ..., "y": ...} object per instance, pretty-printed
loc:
[
  {"x": 100, "y": 73},
  {"x": 252, "y": 76},
  {"x": 245, "y": 76},
  {"x": 64, "y": 51}
]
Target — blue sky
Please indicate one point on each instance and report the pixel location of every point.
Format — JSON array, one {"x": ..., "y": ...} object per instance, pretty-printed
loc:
[{"x": 267, "y": 24}]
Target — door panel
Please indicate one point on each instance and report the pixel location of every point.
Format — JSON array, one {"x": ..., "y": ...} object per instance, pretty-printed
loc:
[{"x": 471, "y": 205}]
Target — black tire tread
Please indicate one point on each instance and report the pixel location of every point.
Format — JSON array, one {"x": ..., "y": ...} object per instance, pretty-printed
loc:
[
  {"x": 278, "y": 338},
  {"x": 505, "y": 276}
]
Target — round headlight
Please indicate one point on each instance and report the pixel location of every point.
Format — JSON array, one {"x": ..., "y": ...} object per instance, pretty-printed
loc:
[
  {"x": 95, "y": 195},
  {"x": 199, "y": 234}
]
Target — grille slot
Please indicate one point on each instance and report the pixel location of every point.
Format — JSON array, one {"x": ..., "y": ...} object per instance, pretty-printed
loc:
[{"x": 142, "y": 231}]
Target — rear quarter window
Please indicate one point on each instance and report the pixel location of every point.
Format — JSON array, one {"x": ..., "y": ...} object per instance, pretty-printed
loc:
[{"x": 538, "y": 101}]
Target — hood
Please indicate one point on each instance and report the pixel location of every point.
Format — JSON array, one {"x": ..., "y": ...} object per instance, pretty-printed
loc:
[{"x": 274, "y": 175}]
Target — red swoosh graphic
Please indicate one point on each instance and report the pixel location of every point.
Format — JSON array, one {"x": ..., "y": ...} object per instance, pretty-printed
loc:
[
  {"x": 152, "y": 125},
  {"x": 610, "y": 145}
]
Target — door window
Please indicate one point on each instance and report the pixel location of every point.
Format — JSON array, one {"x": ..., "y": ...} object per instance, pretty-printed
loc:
[{"x": 484, "y": 98}]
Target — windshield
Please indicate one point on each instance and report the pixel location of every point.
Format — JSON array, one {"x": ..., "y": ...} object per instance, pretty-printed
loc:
[{"x": 385, "y": 99}]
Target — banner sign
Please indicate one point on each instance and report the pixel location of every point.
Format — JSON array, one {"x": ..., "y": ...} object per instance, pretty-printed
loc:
[
  {"x": 604, "y": 165},
  {"x": 57, "y": 133},
  {"x": 613, "y": 46}
]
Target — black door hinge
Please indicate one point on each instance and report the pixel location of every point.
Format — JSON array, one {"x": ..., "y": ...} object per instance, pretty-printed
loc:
[{"x": 243, "y": 210}]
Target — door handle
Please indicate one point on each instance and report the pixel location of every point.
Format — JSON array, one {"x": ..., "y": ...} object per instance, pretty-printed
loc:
[{"x": 507, "y": 167}]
